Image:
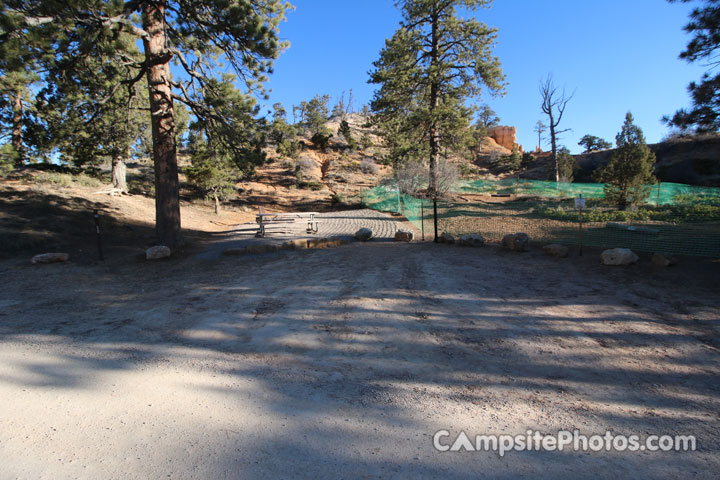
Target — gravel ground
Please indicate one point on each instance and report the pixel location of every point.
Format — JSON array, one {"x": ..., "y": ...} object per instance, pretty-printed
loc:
[
  {"x": 343, "y": 363},
  {"x": 341, "y": 225}
]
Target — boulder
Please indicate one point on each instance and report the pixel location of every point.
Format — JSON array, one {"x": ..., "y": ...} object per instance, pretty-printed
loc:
[
  {"x": 157, "y": 252},
  {"x": 517, "y": 242},
  {"x": 663, "y": 260},
  {"x": 49, "y": 258},
  {"x": 447, "y": 238},
  {"x": 403, "y": 236},
  {"x": 619, "y": 256},
  {"x": 473, "y": 240},
  {"x": 364, "y": 234},
  {"x": 506, "y": 137},
  {"x": 555, "y": 250}
]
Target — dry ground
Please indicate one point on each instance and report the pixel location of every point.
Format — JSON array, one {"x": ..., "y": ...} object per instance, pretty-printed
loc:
[{"x": 342, "y": 363}]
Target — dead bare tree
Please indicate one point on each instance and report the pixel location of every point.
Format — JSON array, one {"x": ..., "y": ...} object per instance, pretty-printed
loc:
[{"x": 554, "y": 103}]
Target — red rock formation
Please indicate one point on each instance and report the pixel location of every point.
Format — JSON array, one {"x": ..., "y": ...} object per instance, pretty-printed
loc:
[{"x": 505, "y": 137}]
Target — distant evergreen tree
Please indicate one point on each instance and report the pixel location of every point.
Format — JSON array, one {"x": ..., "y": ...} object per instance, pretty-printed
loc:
[
  {"x": 567, "y": 164},
  {"x": 593, "y": 143},
  {"x": 212, "y": 170},
  {"x": 628, "y": 176},
  {"x": 346, "y": 133},
  {"x": 283, "y": 134},
  {"x": 316, "y": 114},
  {"x": 486, "y": 119}
]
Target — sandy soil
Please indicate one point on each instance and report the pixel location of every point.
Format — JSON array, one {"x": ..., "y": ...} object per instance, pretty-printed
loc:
[{"x": 343, "y": 363}]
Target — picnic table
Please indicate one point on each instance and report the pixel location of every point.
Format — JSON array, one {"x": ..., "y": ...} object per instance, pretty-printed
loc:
[{"x": 265, "y": 220}]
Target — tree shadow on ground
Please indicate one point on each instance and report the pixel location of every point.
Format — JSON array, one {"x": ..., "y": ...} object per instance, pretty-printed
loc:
[{"x": 404, "y": 336}]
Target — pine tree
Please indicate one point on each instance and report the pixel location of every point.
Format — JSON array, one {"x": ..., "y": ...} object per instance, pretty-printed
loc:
[
  {"x": 593, "y": 143},
  {"x": 629, "y": 175},
  {"x": 344, "y": 130},
  {"x": 705, "y": 26},
  {"x": 212, "y": 170},
  {"x": 427, "y": 72},
  {"x": 567, "y": 164},
  {"x": 204, "y": 37},
  {"x": 429, "y": 68}
]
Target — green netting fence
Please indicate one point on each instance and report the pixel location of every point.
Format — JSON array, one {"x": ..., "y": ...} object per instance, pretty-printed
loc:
[
  {"x": 684, "y": 221},
  {"x": 660, "y": 194}
]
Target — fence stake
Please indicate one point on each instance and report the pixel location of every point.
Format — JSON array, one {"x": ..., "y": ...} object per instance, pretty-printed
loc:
[
  {"x": 580, "y": 205},
  {"x": 435, "y": 218},
  {"x": 99, "y": 237},
  {"x": 581, "y": 220},
  {"x": 422, "y": 218}
]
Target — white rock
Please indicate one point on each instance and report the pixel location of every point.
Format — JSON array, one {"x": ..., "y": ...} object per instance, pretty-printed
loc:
[
  {"x": 403, "y": 236},
  {"x": 447, "y": 237},
  {"x": 364, "y": 234},
  {"x": 473, "y": 240},
  {"x": 50, "y": 258},
  {"x": 618, "y": 256},
  {"x": 157, "y": 252},
  {"x": 517, "y": 242}
]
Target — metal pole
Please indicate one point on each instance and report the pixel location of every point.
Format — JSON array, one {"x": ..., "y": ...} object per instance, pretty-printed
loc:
[
  {"x": 99, "y": 237},
  {"x": 435, "y": 220},
  {"x": 581, "y": 221}
]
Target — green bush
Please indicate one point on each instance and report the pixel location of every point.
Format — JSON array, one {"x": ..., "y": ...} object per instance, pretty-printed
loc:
[
  {"x": 314, "y": 186},
  {"x": 671, "y": 214},
  {"x": 321, "y": 140}
]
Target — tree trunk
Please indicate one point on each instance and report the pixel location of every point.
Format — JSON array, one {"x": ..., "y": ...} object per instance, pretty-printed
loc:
[
  {"x": 217, "y": 203},
  {"x": 434, "y": 140},
  {"x": 17, "y": 130},
  {"x": 119, "y": 174},
  {"x": 553, "y": 147},
  {"x": 434, "y": 137},
  {"x": 167, "y": 190}
]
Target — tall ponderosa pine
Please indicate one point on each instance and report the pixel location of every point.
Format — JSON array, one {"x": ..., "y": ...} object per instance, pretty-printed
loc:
[
  {"x": 434, "y": 64},
  {"x": 18, "y": 63},
  {"x": 428, "y": 71},
  {"x": 705, "y": 45},
  {"x": 628, "y": 177},
  {"x": 202, "y": 36}
]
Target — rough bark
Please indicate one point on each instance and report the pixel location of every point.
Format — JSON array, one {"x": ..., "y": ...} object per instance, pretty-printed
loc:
[
  {"x": 17, "y": 129},
  {"x": 553, "y": 146},
  {"x": 119, "y": 174},
  {"x": 167, "y": 192},
  {"x": 434, "y": 140}
]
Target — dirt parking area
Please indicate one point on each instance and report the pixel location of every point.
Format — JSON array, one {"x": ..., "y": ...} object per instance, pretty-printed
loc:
[{"x": 343, "y": 363}]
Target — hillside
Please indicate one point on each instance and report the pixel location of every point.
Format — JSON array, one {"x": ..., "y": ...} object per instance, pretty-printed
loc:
[
  {"x": 690, "y": 160},
  {"x": 316, "y": 179}
]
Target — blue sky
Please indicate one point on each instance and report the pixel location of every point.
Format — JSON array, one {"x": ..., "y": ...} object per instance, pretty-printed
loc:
[{"x": 615, "y": 55}]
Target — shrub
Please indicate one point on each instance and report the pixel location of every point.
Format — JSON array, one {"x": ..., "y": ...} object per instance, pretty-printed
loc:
[
  {"x": 8, "y": 158},
  {"x": 345, "y": 131},
  {"x": 512, "y": 161},
  {"x": 289, "y": 148},
  {"x": 629, "y": 173},
  {"x": 369, "y": 167},
  {"x": 321, "y": 140},
  {"x": 365, "y": 141},
  {"x": 314, "y": 186}
]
